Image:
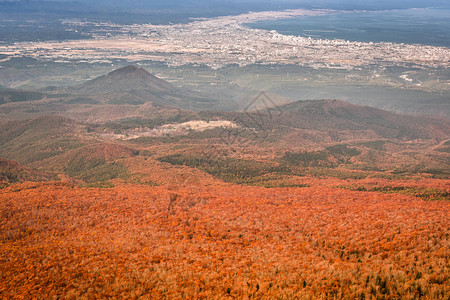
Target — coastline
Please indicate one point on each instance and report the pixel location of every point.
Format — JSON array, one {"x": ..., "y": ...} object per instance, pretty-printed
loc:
[
  {"x": 405, "y": 26},
  {"x": 222, "y": 41}
]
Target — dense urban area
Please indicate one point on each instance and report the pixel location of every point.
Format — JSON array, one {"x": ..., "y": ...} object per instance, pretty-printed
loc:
[{"x": 222, "y": 41}]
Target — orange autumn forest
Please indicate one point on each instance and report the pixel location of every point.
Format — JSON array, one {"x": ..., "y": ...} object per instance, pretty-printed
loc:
[{"x": 254, "y": 150}]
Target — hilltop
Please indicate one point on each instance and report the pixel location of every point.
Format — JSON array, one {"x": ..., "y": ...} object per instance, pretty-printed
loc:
[
  {"x": 136, "y": 86},
  {"x": 129, "y": 78}
]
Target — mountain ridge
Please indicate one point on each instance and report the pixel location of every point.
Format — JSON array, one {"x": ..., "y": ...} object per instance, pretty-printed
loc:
[
  {"x": 343, "y": 115},
  {"x": 334, "y": 117}
]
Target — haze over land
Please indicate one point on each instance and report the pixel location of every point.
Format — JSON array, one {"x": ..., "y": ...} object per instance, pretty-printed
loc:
[
  {"x": 398, "y": 77},
  {"x": 170, "y": 149}
]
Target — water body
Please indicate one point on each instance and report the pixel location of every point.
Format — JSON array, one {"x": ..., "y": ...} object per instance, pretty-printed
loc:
[{"x": 426, "y": 26}]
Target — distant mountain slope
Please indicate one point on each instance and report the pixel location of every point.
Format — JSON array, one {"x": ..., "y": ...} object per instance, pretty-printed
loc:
[
  {"x": 126, "y": 79},
  {"x": 134, "y": 85},
  {"x": 341, "y": 116},
  {"x": 126, "y": 93},
  {"x": 322, "y": 122},
  {"x": 338, "y": 115}
]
